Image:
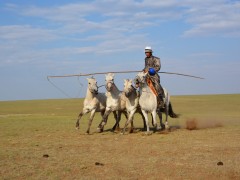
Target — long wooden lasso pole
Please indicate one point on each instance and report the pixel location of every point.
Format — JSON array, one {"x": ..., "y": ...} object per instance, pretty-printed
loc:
[
  {"x": 119, "y": 72},
  {"x": 99, "y": 73}
]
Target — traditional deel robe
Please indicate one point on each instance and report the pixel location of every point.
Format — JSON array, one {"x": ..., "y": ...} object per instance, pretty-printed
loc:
[{"x": 154, "y": 62}]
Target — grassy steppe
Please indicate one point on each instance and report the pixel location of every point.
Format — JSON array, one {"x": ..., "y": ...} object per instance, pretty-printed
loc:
[{"x": 31, "y": 129}]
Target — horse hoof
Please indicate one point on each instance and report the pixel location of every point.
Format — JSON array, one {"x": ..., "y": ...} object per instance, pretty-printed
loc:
[
  {"x": 131, "y": 131},
  {"x": 118, "y": 129},
  {"x": 149, "y": 133},
  {"x": 159, "y": 128},
  {"x": 77, "y": 128},
  {"x": 163, "y": 126},
  {"x": 99, "y": 130}
]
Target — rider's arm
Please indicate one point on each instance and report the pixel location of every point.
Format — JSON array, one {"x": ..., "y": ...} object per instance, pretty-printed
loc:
[{"x": 157, "y": 64}]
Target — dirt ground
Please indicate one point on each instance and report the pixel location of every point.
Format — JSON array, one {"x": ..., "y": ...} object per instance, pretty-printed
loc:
[
  {"x": 212, "y": 153},
  {"x": 182, "y": 154},
  {"x": 47, "y": 146}
]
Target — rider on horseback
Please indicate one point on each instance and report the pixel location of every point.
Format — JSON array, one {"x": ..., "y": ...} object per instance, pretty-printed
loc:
[{"x": 152, "y": 66}]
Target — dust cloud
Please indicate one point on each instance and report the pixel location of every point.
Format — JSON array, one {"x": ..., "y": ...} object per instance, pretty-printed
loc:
[{"x": 194, "y": 123}]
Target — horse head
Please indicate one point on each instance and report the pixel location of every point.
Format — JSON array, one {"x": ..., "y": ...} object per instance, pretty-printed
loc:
[
  {"x": 128, "y": 88},
  {"x": 109, "y": 81},
  {"x": 141, "y": 78},
  {"x": 92, "y": 85}
]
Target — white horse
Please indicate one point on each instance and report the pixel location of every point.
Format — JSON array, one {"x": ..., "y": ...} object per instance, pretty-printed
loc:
[
  {"x": 132, "y": 104},
  {"x": 93, "y": 102},
  {"x": 147, "y": 100},
  {"x": 116, "y": 101}
]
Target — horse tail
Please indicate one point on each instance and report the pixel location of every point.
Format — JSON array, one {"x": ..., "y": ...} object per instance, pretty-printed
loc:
[{"x": 171, "y": 113}]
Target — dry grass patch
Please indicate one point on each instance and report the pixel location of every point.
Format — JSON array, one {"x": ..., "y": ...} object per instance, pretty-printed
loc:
[{"x": 43, "y": 143}]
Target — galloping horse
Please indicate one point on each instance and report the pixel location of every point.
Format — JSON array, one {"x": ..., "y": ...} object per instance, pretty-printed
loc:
[
  {"x": 132, "y": 106},
  {"x": 132, "y": 103},
  {"x": 116, "y": 101},
  {"x": 93, "y": 102},
  {"x": 147, "y": 100}
]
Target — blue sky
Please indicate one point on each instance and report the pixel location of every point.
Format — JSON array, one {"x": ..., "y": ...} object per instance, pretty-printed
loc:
[{"x": 41, "y": 38}]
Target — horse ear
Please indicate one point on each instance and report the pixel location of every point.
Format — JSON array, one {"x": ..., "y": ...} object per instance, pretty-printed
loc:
[
  {"x": 125, "y": 80},
  {"x": 130, "y": 81}
]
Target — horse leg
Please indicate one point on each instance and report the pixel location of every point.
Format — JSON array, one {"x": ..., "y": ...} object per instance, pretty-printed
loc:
[
  {"x": 154, "y": 113},
  {"x": 160, "y": 118},
  {"x": 90, "y": 120},
  {"x": 126, "y": 114},
  {"x": 124, "y": 128},
  {"x": 144, "y": 122},
  {"x": 161, "y": 126},
  {"x": 166, "y": 113},
  {"x": 84, "y": 111},
  {"x": 129, "y": 119},
  {"x": 104, "y": 120},
  {"x": 152, "y": 120},
  {"x": 102, "y": 114},
  {"x": 117, "y": 117}
]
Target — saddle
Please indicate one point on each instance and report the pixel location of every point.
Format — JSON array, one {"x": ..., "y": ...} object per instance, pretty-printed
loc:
[
  {"x": 153, "y": 89},
  {"x": 151, "y": 86}
]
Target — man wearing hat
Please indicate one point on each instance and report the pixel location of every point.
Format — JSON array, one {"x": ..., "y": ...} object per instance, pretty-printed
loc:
[{"x": 152, "y": 66}]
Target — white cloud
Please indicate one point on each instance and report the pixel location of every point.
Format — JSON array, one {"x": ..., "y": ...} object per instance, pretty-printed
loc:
[
  {"x": 25, "y": 33},
  {"x": 206, "y": 17},
  {"x": 110, "y": 26},
  {"x": 218, "y": 19}
]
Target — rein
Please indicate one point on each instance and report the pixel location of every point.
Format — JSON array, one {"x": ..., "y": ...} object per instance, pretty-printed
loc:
[{"x": 101, "y": 86}]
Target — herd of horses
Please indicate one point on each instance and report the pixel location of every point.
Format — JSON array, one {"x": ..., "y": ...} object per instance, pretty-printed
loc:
[{"x": 127, "y": 102}]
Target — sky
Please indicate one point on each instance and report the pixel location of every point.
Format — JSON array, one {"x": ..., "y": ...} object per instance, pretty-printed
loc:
[{"x": 40, "y": 38}]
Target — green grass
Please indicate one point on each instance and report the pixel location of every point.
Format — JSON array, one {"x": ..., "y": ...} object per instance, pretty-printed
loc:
[{"x": 30, "y": 129}]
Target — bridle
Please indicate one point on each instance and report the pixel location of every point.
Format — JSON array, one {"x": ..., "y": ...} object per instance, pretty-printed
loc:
[
  {"x": 130, "y": 91},
  {"x": 92, "y": 90},
  {"x": 107, "y": 85}
]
